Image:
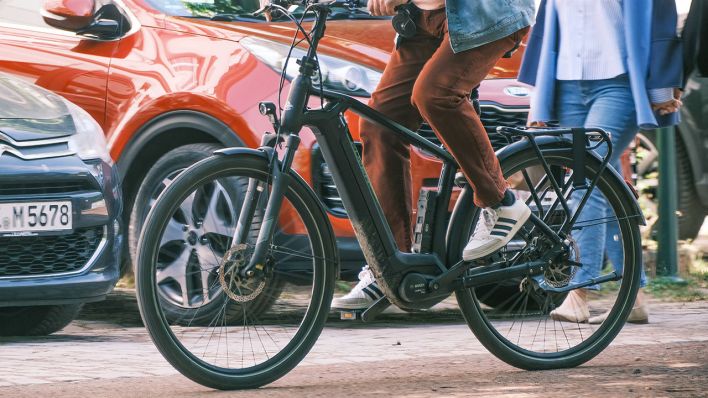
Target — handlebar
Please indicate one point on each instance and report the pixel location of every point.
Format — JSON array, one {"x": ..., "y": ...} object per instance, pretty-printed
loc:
[{"x": 287, "y": 3}]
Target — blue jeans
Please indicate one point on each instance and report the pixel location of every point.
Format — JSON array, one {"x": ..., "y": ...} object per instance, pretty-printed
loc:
[{"x": 605, "y": 104}]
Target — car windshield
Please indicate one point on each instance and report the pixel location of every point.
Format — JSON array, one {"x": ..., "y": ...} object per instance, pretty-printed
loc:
[{"x": 238, "y": 10}]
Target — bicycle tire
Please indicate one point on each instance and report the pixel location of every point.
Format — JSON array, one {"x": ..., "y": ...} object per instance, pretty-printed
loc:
[
  {"x": 324, "y": 258},
  {"x": 506, "y": 350}
]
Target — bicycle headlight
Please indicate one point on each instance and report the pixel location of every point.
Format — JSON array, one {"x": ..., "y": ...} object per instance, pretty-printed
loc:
[
  {"x": 88, "y": 141},
  {"x": 338, "y": 75}
]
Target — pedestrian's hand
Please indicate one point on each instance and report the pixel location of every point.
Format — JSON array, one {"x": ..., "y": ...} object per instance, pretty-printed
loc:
[
  {"x": 379, "y": 8},
  {"x": 538, "y": 124},
  {"x": 670, "y": 106},
  {"x": 264, "y": 4}
]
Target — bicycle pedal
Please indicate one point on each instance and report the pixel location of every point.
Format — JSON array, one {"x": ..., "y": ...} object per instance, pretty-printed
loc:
[{"x": 349, "y": 315}]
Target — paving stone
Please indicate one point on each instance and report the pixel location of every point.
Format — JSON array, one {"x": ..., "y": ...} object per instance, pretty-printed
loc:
[{"x": 91, "y": 349}]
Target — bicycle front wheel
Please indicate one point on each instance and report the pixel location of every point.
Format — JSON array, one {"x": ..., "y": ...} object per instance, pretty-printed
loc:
[
  {"x": 522, "y": 328},
  {"x": 219, "y": 328}
]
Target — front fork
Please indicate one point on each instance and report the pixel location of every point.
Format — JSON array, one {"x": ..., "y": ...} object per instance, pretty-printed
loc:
[{"x": 279, "y": 181}]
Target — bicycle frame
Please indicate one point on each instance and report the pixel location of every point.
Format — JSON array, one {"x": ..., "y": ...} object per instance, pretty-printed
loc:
[{"x": 428, "y": 279}]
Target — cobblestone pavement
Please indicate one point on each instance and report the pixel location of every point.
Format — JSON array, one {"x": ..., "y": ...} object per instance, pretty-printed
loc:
[{"x": 93, "y": 348}]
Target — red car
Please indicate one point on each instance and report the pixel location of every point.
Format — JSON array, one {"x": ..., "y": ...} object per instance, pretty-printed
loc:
[{"x": 170, "y": 81}]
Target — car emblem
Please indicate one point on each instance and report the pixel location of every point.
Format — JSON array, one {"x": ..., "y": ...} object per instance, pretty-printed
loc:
[{"x": 517, "y": 91}]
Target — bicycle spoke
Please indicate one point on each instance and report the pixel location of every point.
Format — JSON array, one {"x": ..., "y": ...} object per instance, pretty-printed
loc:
[
  {"x": 524, "y": 316},
  {"x": 217, "y": 313}
]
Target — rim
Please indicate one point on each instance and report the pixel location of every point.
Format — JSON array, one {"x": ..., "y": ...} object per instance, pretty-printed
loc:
[
  {"x": 528, "y": 330},
  {"x": 196, "y": 235},
  {"x": 273, "y": 338}
]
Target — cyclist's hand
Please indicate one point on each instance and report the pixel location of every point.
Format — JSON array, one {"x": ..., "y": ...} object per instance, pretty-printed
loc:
[
  {"x": 383, "y": 7},
  {"x": 263, "y": 5}
]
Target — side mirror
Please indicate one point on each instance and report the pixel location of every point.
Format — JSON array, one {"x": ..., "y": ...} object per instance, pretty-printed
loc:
[
  {"x": 71, "y": 15},
  {"x": 101, "y": 29}
]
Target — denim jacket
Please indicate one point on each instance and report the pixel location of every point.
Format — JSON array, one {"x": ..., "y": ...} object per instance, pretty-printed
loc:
[{"x": 473, "y": 23}]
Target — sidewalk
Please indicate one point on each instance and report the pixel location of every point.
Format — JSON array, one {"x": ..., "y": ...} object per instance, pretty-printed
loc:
[{"x": 93, "y": 349}]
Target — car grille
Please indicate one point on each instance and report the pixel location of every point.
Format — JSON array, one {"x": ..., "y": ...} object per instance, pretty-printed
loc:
[
  {"x": 493, "y": 116},
  {"x": 45, "y": 255},
  {"x": 44, "y": 187}
]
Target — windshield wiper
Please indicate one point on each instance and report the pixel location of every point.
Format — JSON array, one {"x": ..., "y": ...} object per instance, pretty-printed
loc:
[{"x": 236, "y": 18}]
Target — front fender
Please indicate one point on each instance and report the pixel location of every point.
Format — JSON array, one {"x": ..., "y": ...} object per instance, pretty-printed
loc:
[
  {"x": 265, "y": 153},
  {"x": 235, "y": 151}
]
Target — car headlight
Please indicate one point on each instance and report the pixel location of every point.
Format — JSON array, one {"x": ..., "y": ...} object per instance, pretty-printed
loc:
[
  {"x": 88, "y": 142},
  {"x": 338, "y": 75}
]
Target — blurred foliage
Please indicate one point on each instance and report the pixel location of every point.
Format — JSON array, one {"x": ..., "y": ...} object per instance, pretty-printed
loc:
[
  {"x": 207, "y": 9},
  {"x": 695, "y": 288}
]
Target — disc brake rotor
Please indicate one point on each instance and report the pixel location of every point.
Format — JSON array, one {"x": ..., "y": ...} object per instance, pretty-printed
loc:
[
  {"x": 234, "y": 285},
  {"x": 560, "y": 273}
]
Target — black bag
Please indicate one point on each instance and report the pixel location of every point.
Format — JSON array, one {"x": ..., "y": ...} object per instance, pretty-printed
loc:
[{"x": 404, "y": 20}]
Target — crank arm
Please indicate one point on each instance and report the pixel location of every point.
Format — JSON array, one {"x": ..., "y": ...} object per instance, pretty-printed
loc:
[{"x": 485, "y": 277}]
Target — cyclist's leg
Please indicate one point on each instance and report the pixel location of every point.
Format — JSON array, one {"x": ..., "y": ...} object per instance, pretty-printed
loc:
[
  {"x": 441, "y": 95},
  {"x": 386, "y": 158}
]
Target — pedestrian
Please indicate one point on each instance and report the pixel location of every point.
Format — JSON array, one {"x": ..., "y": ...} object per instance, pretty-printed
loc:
[
  {"x": 610, "y": 64},
  {"x": 431, "y": 73},
  {"x": 695, "y": 40}
]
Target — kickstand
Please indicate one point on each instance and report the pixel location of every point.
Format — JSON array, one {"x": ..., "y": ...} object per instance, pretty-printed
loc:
[{"x": 375, "y": 309}]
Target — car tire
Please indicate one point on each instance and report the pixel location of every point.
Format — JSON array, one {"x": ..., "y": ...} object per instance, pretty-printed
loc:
[
  {"x": 165, "y": 169},
  {"x": 691, "y": 211},
  {"x": 36, "y": 320},
  {"x": 168, "y": 166}
]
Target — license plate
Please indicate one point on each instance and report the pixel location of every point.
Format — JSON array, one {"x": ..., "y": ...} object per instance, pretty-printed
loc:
[{"x": 35, "y": 216}]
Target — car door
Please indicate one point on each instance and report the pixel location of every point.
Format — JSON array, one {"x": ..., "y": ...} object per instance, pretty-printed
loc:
[{"x": 70, "y": 65}]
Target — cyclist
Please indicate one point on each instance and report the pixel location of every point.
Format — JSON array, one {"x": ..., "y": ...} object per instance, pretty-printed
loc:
[{"x": 432, "y": 70}]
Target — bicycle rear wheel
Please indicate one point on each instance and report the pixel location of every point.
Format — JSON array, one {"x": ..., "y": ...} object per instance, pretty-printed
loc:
[
  {"x": 244, "y": 332},
  {"x": 520, "y": 329}
]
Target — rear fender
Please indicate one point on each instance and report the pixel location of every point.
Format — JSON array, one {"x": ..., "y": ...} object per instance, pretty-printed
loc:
[{"x": 465, "y": 204}]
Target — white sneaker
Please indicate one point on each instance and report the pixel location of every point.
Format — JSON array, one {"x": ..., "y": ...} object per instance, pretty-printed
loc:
[
  {"x": 362, "y": 295},
  {"x": 495, "y": 229}
]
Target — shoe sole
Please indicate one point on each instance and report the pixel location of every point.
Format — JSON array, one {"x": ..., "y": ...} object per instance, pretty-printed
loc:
[
  {"x": 344, "y": 308},
  {"x": 351, "y": 307},
  {"x": 561, "y": 318},
  {"x": 519, "y": 223},
  {"x": 636, "y": 322}
]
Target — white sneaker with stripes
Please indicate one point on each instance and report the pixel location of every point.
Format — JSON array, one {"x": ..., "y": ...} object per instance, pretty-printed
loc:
[
  {"x": 495, "y": 229},
  {"x": 362, "y": 295}
]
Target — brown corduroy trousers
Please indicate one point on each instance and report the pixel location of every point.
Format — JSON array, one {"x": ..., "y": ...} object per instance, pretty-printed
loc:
[{"x": 425, "y": 80}]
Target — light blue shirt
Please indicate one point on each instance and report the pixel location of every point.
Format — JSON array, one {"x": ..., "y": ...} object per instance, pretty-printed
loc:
[
  {"x": 591, "y": 39},
  {"x": 592, "y": 45}
]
